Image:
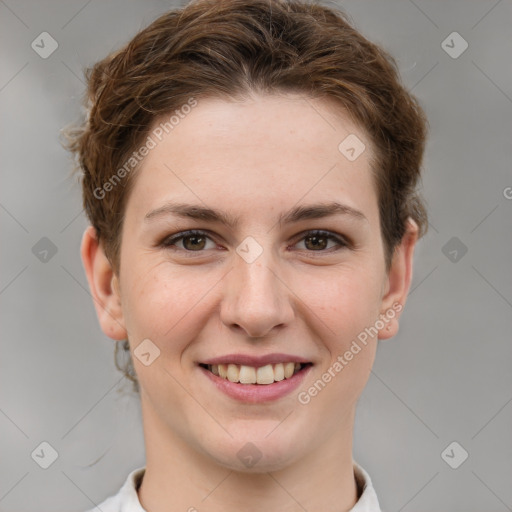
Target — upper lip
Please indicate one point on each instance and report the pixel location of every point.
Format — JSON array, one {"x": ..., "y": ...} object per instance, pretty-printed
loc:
[{"x": 255, "y": 361}]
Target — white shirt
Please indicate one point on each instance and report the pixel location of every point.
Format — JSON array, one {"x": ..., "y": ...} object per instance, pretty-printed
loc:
[{"x": 127, "y": 500}]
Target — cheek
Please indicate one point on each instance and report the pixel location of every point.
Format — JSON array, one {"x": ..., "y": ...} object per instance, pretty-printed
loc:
[
  {"x": 349, "y": 307},
  {"x": 347, "y": 300},
  {"x": 163, "y": 305}
]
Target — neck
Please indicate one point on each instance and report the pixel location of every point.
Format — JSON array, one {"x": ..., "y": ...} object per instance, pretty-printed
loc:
[{"x": 180, "y": 478}]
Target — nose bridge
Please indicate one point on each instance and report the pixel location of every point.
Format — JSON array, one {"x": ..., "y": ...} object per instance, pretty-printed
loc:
[{"x": 255, "y": 299}]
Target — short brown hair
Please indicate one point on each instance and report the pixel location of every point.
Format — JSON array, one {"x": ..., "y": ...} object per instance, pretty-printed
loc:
[{"x": 228, "y": 49}]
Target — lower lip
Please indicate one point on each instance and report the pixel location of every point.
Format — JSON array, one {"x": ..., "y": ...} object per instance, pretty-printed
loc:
[{"x": 257, "y": 393}]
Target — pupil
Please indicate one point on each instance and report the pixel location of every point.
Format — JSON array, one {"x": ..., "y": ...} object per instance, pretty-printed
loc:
[
  {"x": 195, "y": 238},
  {"x": 315, "y": 240}
]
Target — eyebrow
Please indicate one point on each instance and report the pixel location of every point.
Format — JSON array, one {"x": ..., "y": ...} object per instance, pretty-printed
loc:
[{"x": 303, "y": 212}]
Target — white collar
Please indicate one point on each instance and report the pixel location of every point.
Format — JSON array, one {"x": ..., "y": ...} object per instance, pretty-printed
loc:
[{"x": 127, "y": 499}]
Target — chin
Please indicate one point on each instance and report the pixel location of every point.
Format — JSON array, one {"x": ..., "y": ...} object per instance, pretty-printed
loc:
[
  {"x": 256, "y": 454},
  {"x": 254, "y": 461}
]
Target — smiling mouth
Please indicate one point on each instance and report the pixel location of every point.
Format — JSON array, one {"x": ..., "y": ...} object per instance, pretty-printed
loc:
[{"x": 267, "y": 374}]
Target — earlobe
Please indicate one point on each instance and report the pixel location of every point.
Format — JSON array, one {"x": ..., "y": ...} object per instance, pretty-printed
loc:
[
  {"x": 398, "y": 281},
  {"x": 104, "y": 286}
]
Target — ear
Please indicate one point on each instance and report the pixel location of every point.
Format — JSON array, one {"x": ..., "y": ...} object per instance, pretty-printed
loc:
[
  {"x": 398, "y": 281},
  {"x": 104, "y": 286}
]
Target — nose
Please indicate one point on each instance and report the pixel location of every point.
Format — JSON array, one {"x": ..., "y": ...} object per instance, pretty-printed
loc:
[{"x": 256, "y": 300}]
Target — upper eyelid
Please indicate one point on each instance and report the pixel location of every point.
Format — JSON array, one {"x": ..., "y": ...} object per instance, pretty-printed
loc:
[{"x": 189, "y": 232}]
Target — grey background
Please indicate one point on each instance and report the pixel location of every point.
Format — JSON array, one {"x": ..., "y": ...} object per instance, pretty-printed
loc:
[{"x": 446, "y": 376}]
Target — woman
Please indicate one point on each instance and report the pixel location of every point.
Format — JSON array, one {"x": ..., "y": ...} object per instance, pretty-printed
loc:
[{"x": 249, "y": 173}]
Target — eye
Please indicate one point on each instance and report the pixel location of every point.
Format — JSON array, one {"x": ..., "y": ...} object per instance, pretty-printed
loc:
[
  {"x": 197, "y": 240},
  {"x": 193, "y": 241},
  {"x": 318, "y": 240}
]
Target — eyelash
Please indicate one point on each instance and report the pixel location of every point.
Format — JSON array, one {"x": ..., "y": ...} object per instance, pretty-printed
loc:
[{"x": 169, "y": 241}]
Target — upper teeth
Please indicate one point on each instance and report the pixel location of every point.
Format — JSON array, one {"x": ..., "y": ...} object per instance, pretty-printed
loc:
[{"x": 249, "y": 375}]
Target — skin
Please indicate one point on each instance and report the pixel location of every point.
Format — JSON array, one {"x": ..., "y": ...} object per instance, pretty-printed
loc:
[{"x": 252, "y": 159}]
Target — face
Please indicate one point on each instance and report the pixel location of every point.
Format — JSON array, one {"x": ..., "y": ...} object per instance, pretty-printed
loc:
[{"x": 264, "y": 279}]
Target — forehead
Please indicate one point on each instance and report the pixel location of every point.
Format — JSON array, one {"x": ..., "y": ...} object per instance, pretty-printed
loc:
[{"x": 265, "y": 152}]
